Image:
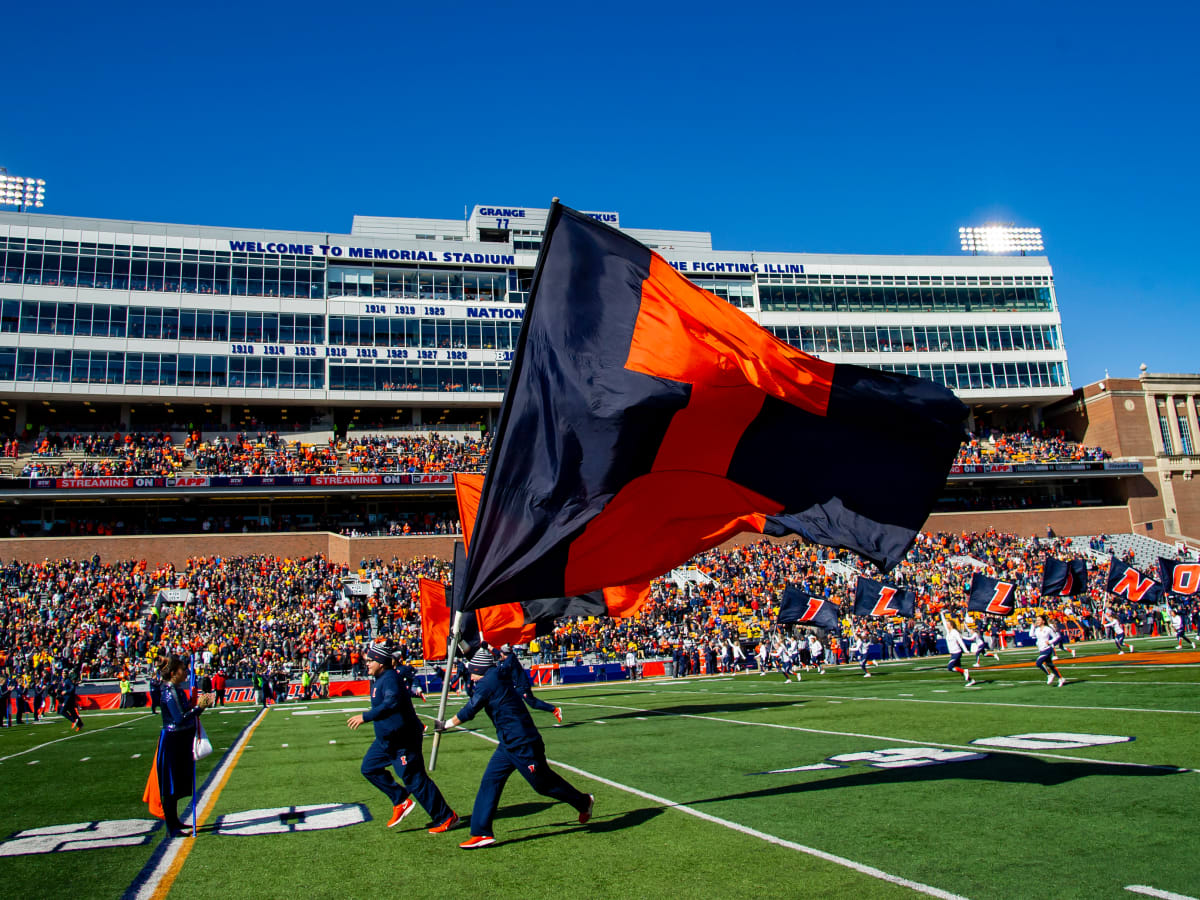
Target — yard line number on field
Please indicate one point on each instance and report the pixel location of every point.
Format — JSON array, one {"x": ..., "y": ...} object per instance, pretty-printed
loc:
[
  {"x": 871, "y": 737},
  {"x": 871, "y": 871}
]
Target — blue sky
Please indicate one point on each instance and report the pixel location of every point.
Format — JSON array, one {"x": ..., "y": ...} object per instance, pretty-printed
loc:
[{"x": 862, "y": 128}]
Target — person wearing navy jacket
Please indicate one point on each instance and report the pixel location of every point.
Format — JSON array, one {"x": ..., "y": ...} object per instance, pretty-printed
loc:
[
  {"x": 175, "y": 763},
  {"x": 520, "y": 750},
  {"x": 521, "y": 682},
  {"x": 398, "y": 744},
  {"x": 68, "y": 702}
]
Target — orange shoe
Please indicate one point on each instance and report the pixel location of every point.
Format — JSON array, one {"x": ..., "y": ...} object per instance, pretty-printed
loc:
[
  {"x": 558, "y": 714},
  {"x": 399, "y": 812},
  {"x": 476, "y": 841},
  {"x": 447, "y": 825}
]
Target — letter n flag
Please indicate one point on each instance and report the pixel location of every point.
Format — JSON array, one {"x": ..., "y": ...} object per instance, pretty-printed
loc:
[{"x": 647, "y": 420}]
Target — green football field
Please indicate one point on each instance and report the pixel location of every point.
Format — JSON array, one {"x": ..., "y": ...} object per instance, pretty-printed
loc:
[{"x": 903, "y": 784}]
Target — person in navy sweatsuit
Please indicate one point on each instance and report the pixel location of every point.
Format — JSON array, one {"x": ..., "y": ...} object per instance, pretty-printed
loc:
[
  {"x": 521, "y": 682},
  {"x": 398, "y": 744},
  {"x": 520, "y": 750}
]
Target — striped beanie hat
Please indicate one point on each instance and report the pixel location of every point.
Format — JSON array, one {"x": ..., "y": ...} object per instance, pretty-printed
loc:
[
  {"x": 380, "y": 651},
  {"x": 481, "y": 661}
]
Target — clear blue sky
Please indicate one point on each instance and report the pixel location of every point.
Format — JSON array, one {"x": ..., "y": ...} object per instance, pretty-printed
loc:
[{"x": 868, "y": 128}]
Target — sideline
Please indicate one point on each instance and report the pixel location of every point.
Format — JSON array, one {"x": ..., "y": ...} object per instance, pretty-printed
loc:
[
  {"x": 871, "y": 871},
  {"x": 880, "y": 737},
  {"x": 69, "y": 736},
  {"x": 160, "y": 871}
]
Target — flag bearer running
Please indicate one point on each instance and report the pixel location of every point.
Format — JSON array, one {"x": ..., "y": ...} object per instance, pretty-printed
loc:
[{"x": 520, "y": 750}]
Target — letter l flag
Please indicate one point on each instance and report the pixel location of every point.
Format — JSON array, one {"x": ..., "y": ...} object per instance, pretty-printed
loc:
[
  {"x": 991, "y": 596},
  {"x": 799, "y": 608}
]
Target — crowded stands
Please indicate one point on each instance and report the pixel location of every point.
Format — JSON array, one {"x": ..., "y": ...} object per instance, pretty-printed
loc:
[
  {"x": 251, "y": 614},
  {"x": 1046, "y": 445},
  {"x": 95, "y": 455},
  {"x": 266, "y": 453}
]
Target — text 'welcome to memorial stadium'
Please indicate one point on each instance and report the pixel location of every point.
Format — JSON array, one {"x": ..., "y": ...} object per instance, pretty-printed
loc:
[{"x": 411, "y": 323}]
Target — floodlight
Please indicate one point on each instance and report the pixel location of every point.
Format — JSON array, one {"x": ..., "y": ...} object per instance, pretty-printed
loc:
[
  {"x": 21, "y": 192},
  {"x": 1000, "y": 239}
]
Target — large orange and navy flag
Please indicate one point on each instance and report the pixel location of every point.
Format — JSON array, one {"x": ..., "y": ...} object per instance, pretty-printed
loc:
[
  {"x": 647, "y": 420},
  {"x": 518, "y": 623},
  {"x": 874, "y": 598}
]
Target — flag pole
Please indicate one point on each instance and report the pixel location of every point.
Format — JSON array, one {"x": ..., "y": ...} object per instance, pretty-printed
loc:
[
  {"x": 192, "y": 693},
  {"x": 455, "y": 634}
]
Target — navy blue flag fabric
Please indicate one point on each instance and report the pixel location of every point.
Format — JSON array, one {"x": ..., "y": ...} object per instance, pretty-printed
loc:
[
  {"x": 991, "y": 596},
  {"x": 1126, "y": 581},
  {"x": 544, "y": 613},
  {"x": 1064, "y": 579},
  {"x": 1182, "y": 578},
  {"x": 647, "y": 420},
  {"x": 799, "y": 608},
  {"x": 873, "y": 598},
  {"x": 454, "y": 597}
]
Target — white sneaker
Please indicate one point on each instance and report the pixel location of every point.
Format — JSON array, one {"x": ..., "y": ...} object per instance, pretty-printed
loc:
[
  {"x": 866, "y": 674},
  {"x": 1072, "y": 649},
  {"x": 1061, "y": 681},
  {"x": 1049, "y": 679},
  {"x": 969, "y": 682}
]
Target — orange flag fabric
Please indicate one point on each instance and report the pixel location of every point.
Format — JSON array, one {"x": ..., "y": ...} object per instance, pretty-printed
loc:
[
  {"x": 151, "y": 795},
  {"x": 435, "y": 619},
  {"x": 506, "y": 623}
]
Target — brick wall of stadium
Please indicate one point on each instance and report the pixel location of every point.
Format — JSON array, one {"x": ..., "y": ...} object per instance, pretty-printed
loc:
[{"x": 178, "y": 548}]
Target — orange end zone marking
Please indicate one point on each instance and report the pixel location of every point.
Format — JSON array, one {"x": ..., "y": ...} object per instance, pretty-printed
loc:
[
  {"x": 1158, "y": 657},
  {"x": 210, "y": 801}
]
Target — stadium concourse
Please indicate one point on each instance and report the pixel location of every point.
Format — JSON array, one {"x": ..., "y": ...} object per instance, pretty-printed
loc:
[
  {"x": 77, "y": 460},
  {"x": 267, "y": 453}
]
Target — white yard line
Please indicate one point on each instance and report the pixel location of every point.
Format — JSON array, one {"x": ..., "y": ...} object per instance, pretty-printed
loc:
[
  {"x": 1025, "y": 706},
  {"x": 144, "y": 890},
  {"x": 1155, "y": 892},
  {"x": 870, "y": 871},
  {"x": 881, "y": 737},
  {"x": 67, "y": 738},
  {"x": 903, "y": 699}
]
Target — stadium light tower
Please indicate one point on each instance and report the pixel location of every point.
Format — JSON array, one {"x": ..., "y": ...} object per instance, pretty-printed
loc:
[
  {"x": 21, "y": 192},
  {"x": 1000, "y": 239}
]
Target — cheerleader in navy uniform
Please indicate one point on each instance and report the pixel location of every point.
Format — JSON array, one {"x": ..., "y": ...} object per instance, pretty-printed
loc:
[{"x": 174, "y": 759}]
